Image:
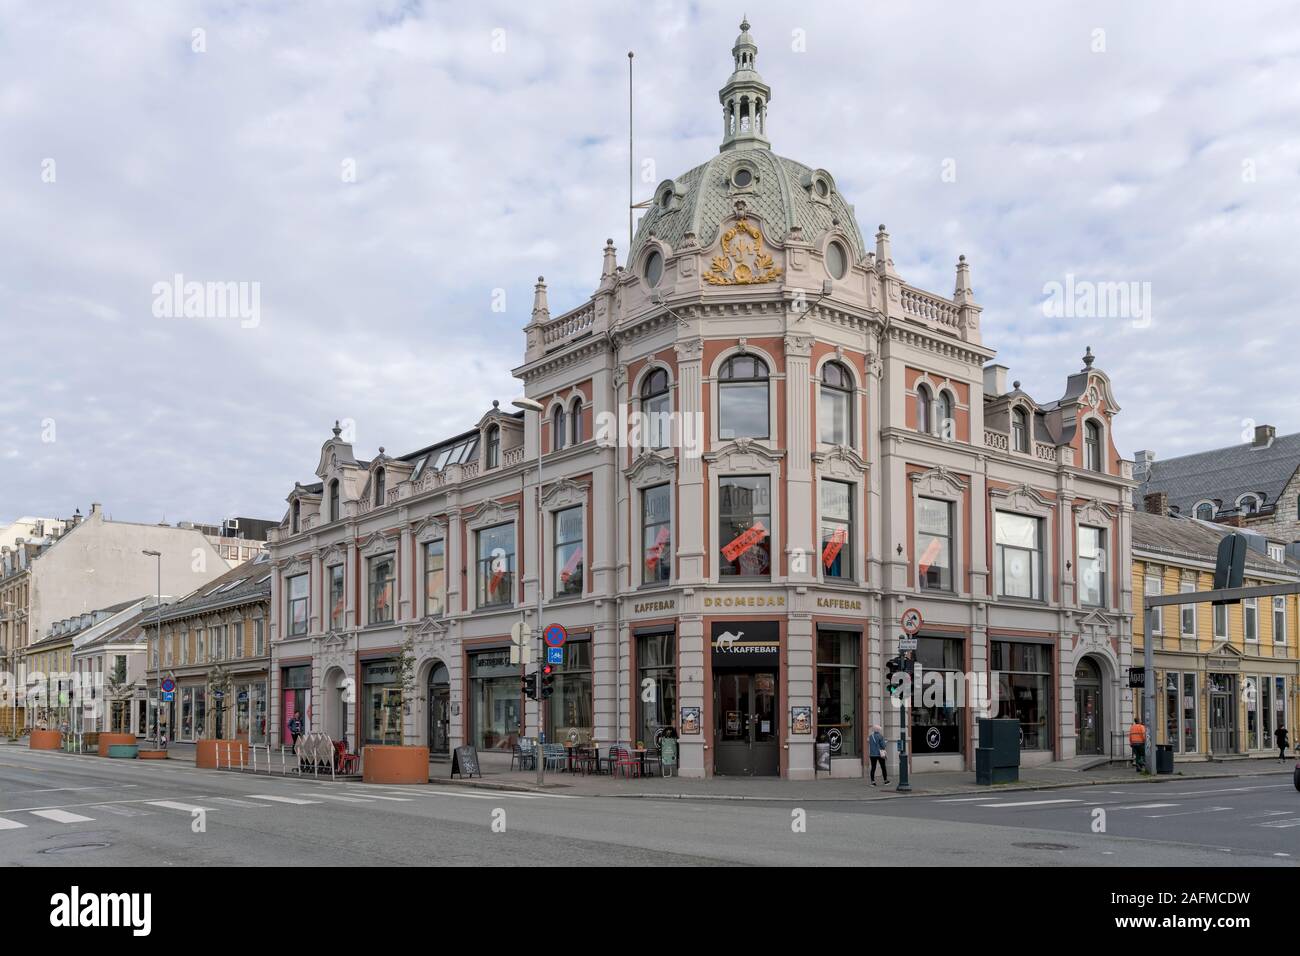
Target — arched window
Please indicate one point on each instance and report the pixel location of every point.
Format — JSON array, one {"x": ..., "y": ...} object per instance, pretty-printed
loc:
[
  {"x": 655, "y": 409},
  {"x": 492, "y": 450},
  {"x": 1205, "y": 511},
  {"x": 835, "y": 405},
  {"x": 557, "y": 428},
  {"x": 944, "y": 426},
  {"x": 576, "y": 415},
  {"x": 1092, "y": 446},
  {"x": 1248, "y": 504},
  {"x": 379, "y": 487},
  {"x": 1019, "y": 430},
  {"x": 742, "y": 398},
  {"x": 293, "y": 517},
  {"x": 334, "y": 500},
  {"x": 923, "y": 400}
]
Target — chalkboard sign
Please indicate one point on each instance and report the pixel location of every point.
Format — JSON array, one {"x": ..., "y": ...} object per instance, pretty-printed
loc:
[{"x": 464, "y": 761}]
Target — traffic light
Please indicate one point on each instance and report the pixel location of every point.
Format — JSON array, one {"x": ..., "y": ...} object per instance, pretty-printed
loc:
[
  {"x": 528, "y": 684},
  {"x": 894, "y": 675},
  {"x": 548, "y": 681}
]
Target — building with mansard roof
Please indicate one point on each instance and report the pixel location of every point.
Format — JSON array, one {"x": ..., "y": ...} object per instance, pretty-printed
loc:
[{"x": 760, "y": 446}]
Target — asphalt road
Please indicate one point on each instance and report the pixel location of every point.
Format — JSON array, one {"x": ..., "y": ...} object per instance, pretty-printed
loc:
[{"x": 63, "y": 810}]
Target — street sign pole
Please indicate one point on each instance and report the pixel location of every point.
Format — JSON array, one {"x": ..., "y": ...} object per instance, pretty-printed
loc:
[{"x": 911, "y": 622}]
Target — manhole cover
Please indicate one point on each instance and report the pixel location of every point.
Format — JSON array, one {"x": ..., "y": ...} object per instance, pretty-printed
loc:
[
  {"x": 76, "y": 848},
  {"x": 1043, "y": 846}
]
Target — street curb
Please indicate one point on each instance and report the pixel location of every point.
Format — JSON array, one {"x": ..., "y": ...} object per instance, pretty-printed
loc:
[{"x": 990, "y": 792}]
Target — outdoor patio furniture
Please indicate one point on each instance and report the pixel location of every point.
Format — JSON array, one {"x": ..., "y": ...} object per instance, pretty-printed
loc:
[
  {"x": 554, "y": 756},
  {"x": 523, "y": 755},
  {"x": 626, "y": 763}
]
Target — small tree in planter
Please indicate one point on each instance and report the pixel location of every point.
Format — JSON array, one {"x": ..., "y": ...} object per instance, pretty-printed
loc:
[
  {"x": 218, "y": 685},
  {"x": 399, "y": 763},
  {"x": 118, "y": 691}
]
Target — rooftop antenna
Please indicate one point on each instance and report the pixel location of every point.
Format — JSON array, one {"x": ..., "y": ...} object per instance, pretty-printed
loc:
[{"x": 631, "y": 200}]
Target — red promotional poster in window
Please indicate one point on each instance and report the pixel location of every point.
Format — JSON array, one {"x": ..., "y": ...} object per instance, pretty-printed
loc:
[
  {"x": 833, "y": 546},
  {"x": 930, "y": 555},
  {"x": 571, "y": 565},
  {"x": 655, "y": 552},
  {"x": 744, "y": 541}
]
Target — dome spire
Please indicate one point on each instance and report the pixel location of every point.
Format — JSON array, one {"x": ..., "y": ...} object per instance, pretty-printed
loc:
[{"x": 744, "y": 98}]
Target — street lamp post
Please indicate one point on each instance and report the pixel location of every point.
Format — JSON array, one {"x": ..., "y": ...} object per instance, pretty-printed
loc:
[
  {"x": 532, "y": 405},
  {"x": 157, "y": 709}
]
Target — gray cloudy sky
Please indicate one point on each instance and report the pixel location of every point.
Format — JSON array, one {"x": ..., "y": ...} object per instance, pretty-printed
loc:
[{"x": 1002, "y": 131}]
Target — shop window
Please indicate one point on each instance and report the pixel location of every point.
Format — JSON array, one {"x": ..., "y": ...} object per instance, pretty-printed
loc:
[
  {"x": 839, "y": 692},
  {"x": 837, "y": 530},
  {"x": 568, "y": 561},
  {"x": 743, "y": 398},
  {"x": 496, "y": 565},
  {"x": 494, "y": 700},
  {"x": 1250, "y": 693},
  {"x": 934, "y": 544},
  {"x": 657, "y": 680},
  {"x": 382, "y": 702},
  {"x": 569, "y": 710},
  {"x": 382, "y": 577},
  {"x": 938, "y": 696},
  {"x": 1024, "y": 673},
  {"x": 656, "y": 534},
  {"x": 1018, "y": 561},
  {"x": 744, "y": 535},
  {"x": 297, "y": 604},
  {"x": 1189, "y": 713}
]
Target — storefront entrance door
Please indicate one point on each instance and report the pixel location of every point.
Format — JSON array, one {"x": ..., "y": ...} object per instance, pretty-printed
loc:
[
  {"x": 1089, "y": 729},
  {"x": 744, "y": 718},
  {"x": 439, "y": 719},
  {"x": 1223, "y": 714}
]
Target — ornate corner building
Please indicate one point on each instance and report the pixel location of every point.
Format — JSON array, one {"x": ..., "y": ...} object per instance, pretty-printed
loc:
[{"x": 759, "y": 446}]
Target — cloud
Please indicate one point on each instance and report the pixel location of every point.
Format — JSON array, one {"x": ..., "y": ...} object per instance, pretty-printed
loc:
[{"x": 488, "y": 146}]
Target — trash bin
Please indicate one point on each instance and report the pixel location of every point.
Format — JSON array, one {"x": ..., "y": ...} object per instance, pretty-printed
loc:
[
  {"x": 1164, "y": 758},
  {"x": 823, "y": 756},
  {"x": 668, "y": 755}
]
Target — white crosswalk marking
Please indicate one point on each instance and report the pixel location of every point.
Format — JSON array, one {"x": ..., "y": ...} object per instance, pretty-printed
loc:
[
  {"x": 293, "y": 800},
  {"x": 330, "y": 796},
  {"x": 231, "y": 801},
  {"x": 1027, "y": 803},
  {"x": 11, "y": 824},
  {"x": 175, "y": 805},
  {"x": 1145, "y": 806},
  {"x": 61, "y": 816},
  {"x": 962, "y": 800},
  {"x": 1281, "y": 824},
  {"x": 122, "y": 811}
]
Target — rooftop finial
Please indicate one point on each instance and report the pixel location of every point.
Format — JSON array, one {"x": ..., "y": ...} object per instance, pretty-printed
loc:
[
  {"x": 541, "y": 311},
  {"x": 1088, "y": 357},
  {"x": 744, "y": 98},
  {"x": 337, "y": 430}
]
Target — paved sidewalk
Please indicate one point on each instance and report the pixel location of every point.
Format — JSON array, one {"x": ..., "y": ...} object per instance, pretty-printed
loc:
[{"x": 1051, "y": 776}]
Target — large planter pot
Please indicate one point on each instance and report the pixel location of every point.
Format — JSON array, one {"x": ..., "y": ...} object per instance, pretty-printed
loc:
[
  {"x": 229, "y": 752},
  {"x": 113, "y": 740},
  {"x": 152, "y": 755},
  {"x": 123, "y": 751},
  {"x": 45, "y": 740},
  {"x": 392, "y": 764}
]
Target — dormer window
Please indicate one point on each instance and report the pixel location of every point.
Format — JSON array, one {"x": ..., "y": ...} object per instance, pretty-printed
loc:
[
  {"x": 492, "y": 450},
  {"x": 1019, "y": 430},
  {"x": 293, "y": 517},
  {"x": 379, "y": 487},
  {"x": 837, "y": 261},
  {"x": 654, "y": 269},
  {"x": 1205, "y": 511},
  {"x": 334, "y": 501},
  {"x": 1092, "y": 446},
  {"x": 1248, "y": 504}
]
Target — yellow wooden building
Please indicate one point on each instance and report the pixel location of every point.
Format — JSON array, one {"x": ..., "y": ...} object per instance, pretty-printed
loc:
[{"x": 1227, "y": 678}]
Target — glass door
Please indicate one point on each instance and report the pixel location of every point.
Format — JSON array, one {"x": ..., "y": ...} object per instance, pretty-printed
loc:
[
  {"x": 1087, "y": 719},
  {"x": 745, "y": 731}
]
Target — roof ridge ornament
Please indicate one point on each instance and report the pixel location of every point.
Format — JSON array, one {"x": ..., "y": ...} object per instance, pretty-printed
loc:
[{"x": 744, "y": 97}]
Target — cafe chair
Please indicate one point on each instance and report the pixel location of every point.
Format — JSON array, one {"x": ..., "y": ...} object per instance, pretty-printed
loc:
[
  {"x": 524, "y": 756},
  {"x": 626, "y": 763}
]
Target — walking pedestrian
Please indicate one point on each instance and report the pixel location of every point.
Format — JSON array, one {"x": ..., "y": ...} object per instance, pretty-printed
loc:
[
  {"x": 1282, "y": 742},
  {"x": 1137, "y": 739},
  {"x": 295, "y": 728},
  {"x": 877, "y": 748}
]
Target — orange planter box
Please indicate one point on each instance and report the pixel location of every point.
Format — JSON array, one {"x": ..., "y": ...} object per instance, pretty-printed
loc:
[
  {"x": 109, "y": 740},
  {"x": 152, "y": 755},
  {"x": 391, "y": 764},
  {"x": 45, "y": 740},
  {"x": 230, "y": 753}
]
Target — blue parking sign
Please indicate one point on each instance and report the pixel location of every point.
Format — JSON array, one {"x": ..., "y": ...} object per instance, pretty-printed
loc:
[{"x": 555, "y": 655}]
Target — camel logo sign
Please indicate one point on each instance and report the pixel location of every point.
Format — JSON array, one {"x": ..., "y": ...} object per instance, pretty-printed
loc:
[
  {"x": 726, "y": 641},
  {"x": 744, "y": 644}
]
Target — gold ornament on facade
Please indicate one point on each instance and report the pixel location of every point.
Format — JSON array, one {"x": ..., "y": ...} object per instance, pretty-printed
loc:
[{"x": 743, "y": 261}]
